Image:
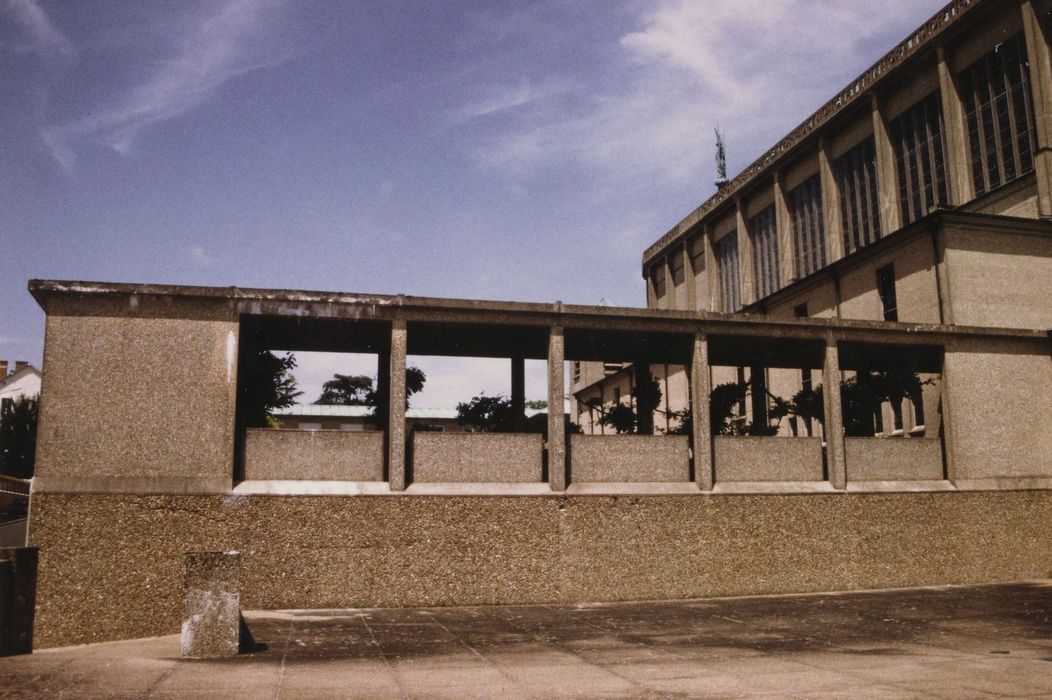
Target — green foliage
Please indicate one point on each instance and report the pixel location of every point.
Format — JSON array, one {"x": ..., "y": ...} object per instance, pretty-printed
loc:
[
  {"x": 347, "y": 390},
  {"x": 18, "y": 437},
  {"x": 624, "y": 418},
  {"x": 537, "y": 405},
  {"x": 358, "y": 390},
  {"x": 266, "y": 383},
  {"x": 486, "y": 414}
]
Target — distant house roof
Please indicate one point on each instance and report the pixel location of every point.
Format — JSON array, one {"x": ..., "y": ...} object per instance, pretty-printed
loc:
[{"x": 24, "y": 371}]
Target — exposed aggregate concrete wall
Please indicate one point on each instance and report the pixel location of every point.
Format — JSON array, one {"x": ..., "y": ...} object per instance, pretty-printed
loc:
[{"x": 110, "y": 565}]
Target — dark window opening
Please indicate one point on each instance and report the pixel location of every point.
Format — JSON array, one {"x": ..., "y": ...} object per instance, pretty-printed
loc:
[
  {"x": 920, "y": 158},
  {"x": 657, "y": 274},
  {"x": 886, "y": 291},
  {"x": 996, "y": 92},
  {"x": 729, "y": 275}
]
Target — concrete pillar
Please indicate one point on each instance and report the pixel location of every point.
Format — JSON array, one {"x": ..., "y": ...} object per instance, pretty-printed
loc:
[
  {"x": 747, "y": 270},
  {"x": 834, "y": 416},
  {"x": 211, "y": 605},
  {"x": 784, "y": 226},
  {"x": 701, "y": 436},
  {"x": 831, "y": 220},
  {"x": 887, "y": 174},
  {"x": 651, "y": 292},
  {"x": 518, "y": 394},
  {"x": 1037, "y": 50},
  {"x": 960, "y": 185},
  {"x": 644, "y": 406},
  {"x": 18, "y": 586},
  {"x": 556, "y": 421},
  {"x": 396, "y": 471}
]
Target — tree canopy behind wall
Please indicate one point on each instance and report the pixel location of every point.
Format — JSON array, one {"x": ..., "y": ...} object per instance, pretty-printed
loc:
[{"x": 18, "y": 437}]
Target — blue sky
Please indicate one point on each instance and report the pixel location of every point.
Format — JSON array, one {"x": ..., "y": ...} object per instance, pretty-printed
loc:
[{"x": 526, "y": 150}]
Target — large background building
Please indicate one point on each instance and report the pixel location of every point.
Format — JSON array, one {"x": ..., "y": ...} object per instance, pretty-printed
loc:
[{"x": 915, "y": 194}]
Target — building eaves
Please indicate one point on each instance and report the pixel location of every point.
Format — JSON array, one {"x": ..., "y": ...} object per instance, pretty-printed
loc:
[{"x": 846, "y": 98}]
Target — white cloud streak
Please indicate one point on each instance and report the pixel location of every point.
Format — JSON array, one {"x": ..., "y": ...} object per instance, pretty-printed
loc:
[
  {"x": 755, "y": 67},
  {"x": 215, "y": 49},
  {"x": 40, "y": 34}
]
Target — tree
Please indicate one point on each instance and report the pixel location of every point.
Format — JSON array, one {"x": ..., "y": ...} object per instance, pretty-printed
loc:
[
  {"x": 18, "y": 437},
  {"x": 266, "y": 383},
  {"x": 624, "y": 418},
  {"x": 358, "y": 390},
  {"x": 486, "y": 414},
  {"x": 347, "y": 390}
]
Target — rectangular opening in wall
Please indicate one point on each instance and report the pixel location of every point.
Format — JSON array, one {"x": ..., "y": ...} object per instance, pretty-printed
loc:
[
  {"x": 920, "y": 158},
  {"x": 765, "y": 246},
  {"x": 856, "y": 174},
  {"x": 728, "y": 265},
  {"x": 886, "y": 292}
]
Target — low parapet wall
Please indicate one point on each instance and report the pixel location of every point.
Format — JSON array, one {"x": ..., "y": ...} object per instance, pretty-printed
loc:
[
  {"x": 477, "y": 457},
  {"x": 317, "y": 455},
  {"x": 379, "y": 551}
]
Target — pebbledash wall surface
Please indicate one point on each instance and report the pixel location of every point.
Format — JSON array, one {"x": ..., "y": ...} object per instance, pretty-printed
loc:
[{"x": 142, "y": 457}]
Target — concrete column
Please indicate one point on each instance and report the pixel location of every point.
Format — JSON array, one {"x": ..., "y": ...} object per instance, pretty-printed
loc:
[
  {"x": 518, "y": 394},
  {"x": 784, "y": 225},
  {"x": 834, "y": 227},
  {"x": 644, "y": 407},
  {"x": 701, "y": 436},
  {"x": 1038, "y": 52},
  {"x": 18, "y": 586},
  {"x": 556, "y": 421},
  {"x": 834, "y": 416},
  {"x": 651, "y": 292},
  {"x": 959, "y": 181},
  {"x": 887, "y": 174},
  {"x": 710, "y": 270},
  {"x": 211, "y": 605},
  {"x": 747, "y": 270},
  {"x": 396, "y": 471}
]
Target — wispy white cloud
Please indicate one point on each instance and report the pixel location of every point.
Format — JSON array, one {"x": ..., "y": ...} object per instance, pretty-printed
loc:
[
  {"x": 38, "y": 33},
  {"x": 753, "y": 66},
  {"x": 506, "y": 96},
  {"x": 214, "y": 49},
  {"x": 199, "y": 257}
]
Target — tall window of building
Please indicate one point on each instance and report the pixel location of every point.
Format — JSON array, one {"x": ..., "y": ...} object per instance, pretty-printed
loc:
[
  {"x": 920, "y": 158},
  {"x": 729, "y": 277},
  {"x": 805, "y": 201},
  {"x": 657, "y": 276},
  {"x": 765, "y": 245},
  {"x": 886, "y": 291},
  {"x": 856, "y": 176},
  {"x": 996, "y": 92},
  {"x": 675, "y": 263}
]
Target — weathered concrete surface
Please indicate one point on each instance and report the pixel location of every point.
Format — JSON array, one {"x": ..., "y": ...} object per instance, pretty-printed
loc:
[
  {"x": 320, "y": 455},
  {"x": 324, "y": 551},
  {"x": 477, "y": 457},
  {"x": 140, "y": 396},
  {"x": 18, "y": 581},
  {"x": 893, "y": 459},
  {"x": 959, "y": 642},
  {"x": 741, "y": 458},
  {"x": 211, "y": 605},
  {"x": 627, "y": 458}
]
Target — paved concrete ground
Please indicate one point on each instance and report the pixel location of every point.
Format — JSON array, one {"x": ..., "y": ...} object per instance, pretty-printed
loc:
[{"x": 958, "y": 642}]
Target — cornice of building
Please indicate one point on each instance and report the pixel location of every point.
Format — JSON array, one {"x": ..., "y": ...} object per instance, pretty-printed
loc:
[{"x": 850, "y": 96}]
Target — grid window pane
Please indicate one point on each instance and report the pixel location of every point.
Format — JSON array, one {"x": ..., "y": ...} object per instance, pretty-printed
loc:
[
  {"x": 729, "y": 277},
  {"x": 996, "y": 91},
  {"x": 765, "y": 246},
  {"x": 920, "y": 158},
  {"x": 805, "y": 203},
  {"x": 856, "y": 174}
]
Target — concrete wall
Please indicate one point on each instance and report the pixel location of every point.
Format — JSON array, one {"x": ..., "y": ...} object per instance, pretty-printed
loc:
[
  {"x": 767, "y": 458},
  {"x": 477, "y": 457},
  {"x": 316, "y": 552},
  {"x": 629, "y": 458},
  {"x": 999, "y": 278},
  {"x": 314, "y": 454},
  {"x": 893, "y": 459},
  {"x": 998, "y": 411},
  {"x": 138, "y": 394},
  {"x": 916, "y": 290}
]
